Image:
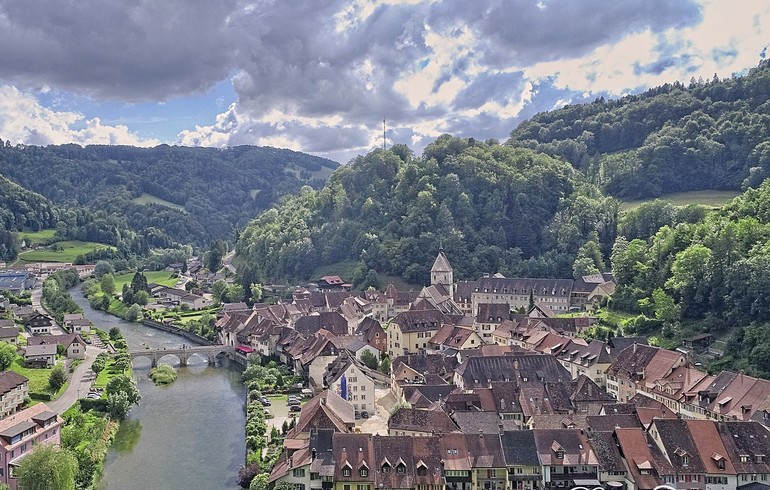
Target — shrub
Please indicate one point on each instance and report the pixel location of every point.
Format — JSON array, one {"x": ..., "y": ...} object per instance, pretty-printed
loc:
[{"x": 163, "y": 374}]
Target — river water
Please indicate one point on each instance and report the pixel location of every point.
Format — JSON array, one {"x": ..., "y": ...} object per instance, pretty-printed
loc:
[{"x": 188, "y": 435}]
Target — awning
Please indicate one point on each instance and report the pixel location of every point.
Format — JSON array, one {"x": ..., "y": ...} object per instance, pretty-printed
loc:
[
  {"x": 245, "y": 349},
  {"x": 587, "y": 483},
  {"x": 615, "y": 484}
]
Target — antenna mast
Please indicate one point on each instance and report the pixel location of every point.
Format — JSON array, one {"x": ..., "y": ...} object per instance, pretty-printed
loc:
[{"x": 383, "y": 135}]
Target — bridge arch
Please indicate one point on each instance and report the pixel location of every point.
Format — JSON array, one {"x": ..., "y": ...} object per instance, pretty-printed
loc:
[{"x": 163, "y": 358}]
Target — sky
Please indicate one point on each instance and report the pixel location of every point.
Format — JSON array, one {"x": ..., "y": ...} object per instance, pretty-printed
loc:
[{"x": 320, "y": 76}]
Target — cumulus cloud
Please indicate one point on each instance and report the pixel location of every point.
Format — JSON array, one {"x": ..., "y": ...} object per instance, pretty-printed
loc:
[
  {"x": 24, "y": 120},
  {"x": 321, "y": 76}
]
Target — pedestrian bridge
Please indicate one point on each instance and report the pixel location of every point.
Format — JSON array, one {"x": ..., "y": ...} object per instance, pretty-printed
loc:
[{"x": 206, "y": 352}]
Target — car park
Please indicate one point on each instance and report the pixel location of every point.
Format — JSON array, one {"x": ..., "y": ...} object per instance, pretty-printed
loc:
[{"x": 265, "y": 401}]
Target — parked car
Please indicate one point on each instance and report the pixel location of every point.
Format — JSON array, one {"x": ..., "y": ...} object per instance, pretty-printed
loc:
[
  {"x": 357, "y": 414},
  {"x": 293, "y": 403},
  {"x": 265, "y": 401},
  {"x": 295, "y": 408},
  {"x": 364, "y": 415}
]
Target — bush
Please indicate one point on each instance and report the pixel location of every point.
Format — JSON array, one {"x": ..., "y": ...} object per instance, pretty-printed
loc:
[
  {"x": 57, "y": 378},
  {"x": 163, "y": 374}
]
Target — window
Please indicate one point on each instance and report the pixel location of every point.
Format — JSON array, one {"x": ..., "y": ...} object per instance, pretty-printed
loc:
[
  {"x": 345, "y": 487},
  {"x": 422, "y": 471},
  {"x": 362, "y": 487},
  {"x": 685, "y": 460},
  {"x": 401, "y": 468},
  {"x": 298, "y": 473},
  {"x": 560, "y": 454},
  {"x": 363, "y": 472},
  {"x": 386, "y": 468},
  {"x": 346, "y": 472}
]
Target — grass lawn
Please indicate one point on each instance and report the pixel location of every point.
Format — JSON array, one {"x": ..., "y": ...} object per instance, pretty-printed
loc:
[
  {"x": 117, "y": 307},
  {"x": 710, "y": 198},
  {"x": 70, "y": 251},
  {"x": 108, "y": 373},
  {"x": 158, "y": 277},
  {"x": 38, "y": 378},
  {"x": 41, "y": 236},
  {"x": 150, "y": 199}
]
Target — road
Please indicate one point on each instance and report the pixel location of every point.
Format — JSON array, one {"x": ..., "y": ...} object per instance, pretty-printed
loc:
[
  {"x": 80, "y": 382},
  {"x": 227, "y": 261},
  {"x": 37, "y": 292}
]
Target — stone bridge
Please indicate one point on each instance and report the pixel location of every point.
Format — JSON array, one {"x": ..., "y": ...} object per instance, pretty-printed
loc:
[{"x": 206, "y": 352}]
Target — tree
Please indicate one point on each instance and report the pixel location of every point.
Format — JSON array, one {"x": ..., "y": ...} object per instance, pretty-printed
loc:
[
  {"x": 256, "y": 292},
  {"x": 47, "y": 468},
  {"x": 124, "y": 384},
  {"x": 115, "y": 333},
  {"x": 141, "y": 298},
  {"x": 370, "y": 360},
  {"x": 219, "y": 290},
  {"x": 134, "y": 313},
  {"x": 283, "y": 485},
  {"x": 99, "y": 364},
  {"x": 8, "y": 354},
  {"x": 217, "y": 250},
  {"x": 234, "y": 293},
  {"x": 57, "y": 378},
  {"x": 139, "y": 283},
  {"x": 259, "y": 482},
  {"x": 118, "y": 405},
  {"x": 108, "y": 284},
  {"x": 103, "y": 267},
  {"x": 385, "y": 366}
]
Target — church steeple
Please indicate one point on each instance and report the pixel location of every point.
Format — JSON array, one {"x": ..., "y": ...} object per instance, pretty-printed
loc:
[{"x": 441, "y": 272}]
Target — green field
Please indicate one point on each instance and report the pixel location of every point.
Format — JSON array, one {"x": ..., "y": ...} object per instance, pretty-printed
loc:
[
  {"x": 150, "y": 199},
  {"x": 69, "y": 251},
  {"x": 41, "y": 236},
  {"x": 709, "y": 198},
  {"x": 158, "y": 277}
]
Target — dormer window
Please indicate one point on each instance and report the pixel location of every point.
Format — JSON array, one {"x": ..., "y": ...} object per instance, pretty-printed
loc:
[
  {"x": 401, "y": 468},
  {"x": 685, "y": 460},
  {"x": 721, "y": 464},
  {"x": 363, "y": 472},
  {"x": 345, "y": 471},
  {"x": 759, "y": 458},
  {"x": 744, "y": 458},
  {"x": 560, "y": 454}
]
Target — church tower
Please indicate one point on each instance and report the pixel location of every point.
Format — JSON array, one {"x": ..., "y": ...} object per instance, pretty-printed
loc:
[{"x": 441, "y": 272}]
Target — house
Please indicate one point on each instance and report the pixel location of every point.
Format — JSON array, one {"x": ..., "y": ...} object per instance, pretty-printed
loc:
[
  {"x": 9, "y": 332},
  {"x": 521, "y": 459},
  {"x": 354, "y": 462},
  {"x": 416, "y": 422},
  {"x": 73, "y": 343},
  {"x": 486, "y": 459},
  {"x": 14, "y": 388},
  {"x": 352, "y": 381},
  {"x": 590, "y": 360},
  {"x": 21, "y": 433},
  {"x": 643, "y": 459},
  {"x": 521, "y": 368},
  {"x": 636, "y": 369},
  {"x": 407, "y": 462},
  {"x": 592, "y": 290},
  {"x": 22, "y": 313},
  {"x": 747, "y": 446},
  {"x": 489, "y": 317},
  {"x": 410, "y": 331},
  {"x": 180, "y": 297},
  {"x": 39, "y": 324},
  {"x": 40, "y": 356},
  {"x": 330, "y": 321},
  {"x": 372, "y": 331},
  {"x": 326, "y": 410},
  {"x": 77, "y": 323},
  {"x": 455, "y": 337},
  {"x": 567, "y": 458},
  {"x": 333, "y": 283},
  {"x": 419, "y": 370},
  {"x": 516, "y": 293},
  {"x": 699, "y": 342},
  {"x": 354, "y": 344}
]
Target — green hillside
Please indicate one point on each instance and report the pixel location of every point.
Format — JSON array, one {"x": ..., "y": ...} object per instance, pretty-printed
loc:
[
  {"x": 168, "y": 193},
  {"x": 674, "y": 138}
]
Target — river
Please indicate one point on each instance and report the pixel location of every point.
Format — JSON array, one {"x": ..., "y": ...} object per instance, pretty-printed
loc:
[{"x": 188, "y": 435}]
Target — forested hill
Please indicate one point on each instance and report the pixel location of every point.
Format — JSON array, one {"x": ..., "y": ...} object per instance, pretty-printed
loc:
[
  {"x": 20, "y": 208},
  {"x": 706, "y": 135},
  {"x": 494, "y": 209},
  {"x": 191, "y": 195}
]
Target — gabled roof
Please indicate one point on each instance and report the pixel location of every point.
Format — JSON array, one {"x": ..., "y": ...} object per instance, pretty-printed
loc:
[
  {"x": 40, "y": 350},
  {"x": 421, "y": 320},
  {"x": 355, "y": 451},
  {"x": 679, "y": 446},
  {"x": 573, "y": 442},
  {"x": 517, "y": 367},
  {"x": 747, "y": 439},
  {"x": 420, "y": 420},
  {"x": 331, "y": 321},
  {"x": 326, "y": 410},
  {"x": 493, "y": 312},
  {"x": 482, "y": 422},
  {"x": 65, "y": 340},
  {"x": 10, "y": 380},
  {"x": 519, "y": 448},
  {"x": 641, "y": 454},
  {"x": 710, "y": 447},
  {"x": 453, "y": 336},
  {"x": 541, "y": 287}
]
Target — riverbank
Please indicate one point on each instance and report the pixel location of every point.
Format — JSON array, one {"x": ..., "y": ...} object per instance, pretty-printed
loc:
[{"x": 161, "y": 443}]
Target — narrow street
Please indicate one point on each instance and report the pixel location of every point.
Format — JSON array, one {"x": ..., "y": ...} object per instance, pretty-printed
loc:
[{"x": 80, "y": 382}]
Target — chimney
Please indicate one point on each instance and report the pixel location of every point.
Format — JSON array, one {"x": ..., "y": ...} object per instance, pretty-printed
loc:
[
  {"x": 481, "y": 434},
  {"x": 312, "y": 455}
]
